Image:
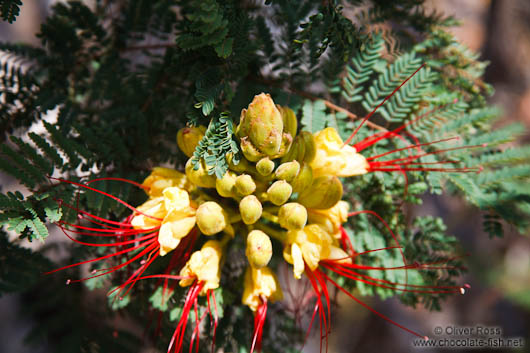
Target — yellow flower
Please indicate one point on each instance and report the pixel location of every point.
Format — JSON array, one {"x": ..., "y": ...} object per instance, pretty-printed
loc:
[
  {"x": 330, "y": 219},
  {"x": 204, "y": 266},
  {"x": 335, "y": 158},
  {"x": 308, "y": 246},
  {"x": 176, "y": 217},
  {"x": 161, "y": 178},
  {"x": 260, "y": 283}
]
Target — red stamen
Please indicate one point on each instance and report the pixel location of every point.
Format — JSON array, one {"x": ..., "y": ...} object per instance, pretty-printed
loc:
[
  {"x": 388, "y": 284},
  {"x": 127, "y": 242},
  {"x": 259, "y": 322},
  {"x": 380, "y": 104},
  {"x": 108, "y": 195},
  {"x": 99, "y": 258},
  {"x": 369, "y": 141},
  {"x": 386, "y": 226},
  {"x": 121, "y": 224},
  {"x": 369, "y": 307},
  {"x": 413, "y": 146},
  {"x": 120, "y": 179}
]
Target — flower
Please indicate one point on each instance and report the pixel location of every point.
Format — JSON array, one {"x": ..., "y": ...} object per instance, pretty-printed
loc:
[
  {"x": 260, "y": 284},
  {"x": 177, "y": 216},
  {"x": 260, "y": 287},
  {"x": 204, "y": 267},
  {"x": 308, "y": 246},
  {"x": 161, "y": 178},
  {"x": 154, "y": 229},
  {"x": 330, "y": 219},
  {"x": 286, "y": 187}
]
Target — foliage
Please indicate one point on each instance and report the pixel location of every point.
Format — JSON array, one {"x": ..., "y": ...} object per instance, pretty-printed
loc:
[
  {"x": 10, "y": 9},
  {"x": 109, "y": 87}
]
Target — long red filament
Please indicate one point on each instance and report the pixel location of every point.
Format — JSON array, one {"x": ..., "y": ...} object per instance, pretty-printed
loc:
[
  {"x": 369, "y": 141},
  {"x": 370, "y": 308},
  {"x": 259, "y": 322},
  {"x": 380, "y": 104},
  {"x": 120, "y": 179},
  {"x": 108, "y": 195}
]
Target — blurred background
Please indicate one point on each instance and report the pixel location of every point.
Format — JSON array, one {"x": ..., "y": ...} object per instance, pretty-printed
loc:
[{"x": 499, "y": 269}]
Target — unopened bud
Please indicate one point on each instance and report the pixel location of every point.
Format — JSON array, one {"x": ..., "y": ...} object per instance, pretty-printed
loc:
[
  {"x": 285, "y": 146},
  {"x": 296, "y": 151},
  {"x": 242, "y": 165},
  {"x": 188, "y": 138},
  {"x": 324, "y": 192},
  {"x": 290, "y": 124},
  {"x": 226, "y": 185},
  {"x": 292, "y": 216},
  {"x": 259, "y": 249},
  {"x": 310, "y": 147},
  {"x": 288, "y": 171},
  {"x": 265, "y": 166},
  {"x": 304, "y": 178},
  {"x": 250, "y": 209},
  {"x": 279, "y": 192},
  {"x": 245, "y": 185},
  {"x": 249, "y": 151},
  {"x": 200, "y": 176},
  {"x": 211, "y": 218},
  {"x": 262, "y": 123}
]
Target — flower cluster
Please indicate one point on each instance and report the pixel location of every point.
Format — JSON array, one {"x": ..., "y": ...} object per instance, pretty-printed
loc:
[{"x": 285, "y": 188}]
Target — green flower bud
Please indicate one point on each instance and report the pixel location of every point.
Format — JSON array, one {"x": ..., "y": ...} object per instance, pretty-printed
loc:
[
  {"x": 188, "y": 138},
  {"x": 226, "y": 185},
  {"x": 211, "y": 218},
  {"x": 200, "y": 176},
  {"x": 265, "y": 166},
  {"x": 262, "y": 123},
  {"x": 310, "y": 147},
  {"x": 288, "y": 171},
  {"x": 287, "y": 141},
  {"x": 292, "y": 216},
  {"x": 249, "y": 151},
  {"x": 241, "y": 167},
  {"x": 290, "y": 124},
  {"x": 250, "y": 209},
  {"x": 245, "y": 185},
  {"x": 259, "y": 249},
  {"x": 304, "y": 178},
  {"x": 324, "y": 192},
  {"x": 279, "y": 192},
  {"x": 297, "y": 149}
]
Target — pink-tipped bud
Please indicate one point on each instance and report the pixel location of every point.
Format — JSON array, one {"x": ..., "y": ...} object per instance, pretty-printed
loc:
[{"x": 259, "y": 249}]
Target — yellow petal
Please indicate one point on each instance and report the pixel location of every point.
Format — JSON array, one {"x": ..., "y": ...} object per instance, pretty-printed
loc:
[
  {"x": 153, "y": 207},
  {"x": 337, "y": 253},
  {"x": 335, "y": 158},
  {"x": 298, "y": 261},
  {"x": 171, "y": 232},
  {"x": 204, "y": 266},
  {"x": 176, "y": 198},
  {"x": 161, "y": 178}
]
